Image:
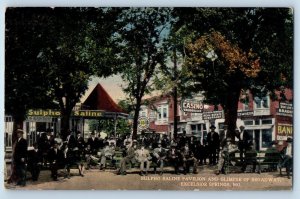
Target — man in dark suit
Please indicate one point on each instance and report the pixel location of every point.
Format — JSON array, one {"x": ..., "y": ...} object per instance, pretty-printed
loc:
[
  {"x": 213, "y": 141},
  {"x": 56, "y": 158},
  {"x": 93, "y": 142},
  {"x": 34, "y": 162},
  {"x": 243, "y": 143},
  {"x": 70, "y": 140},
  {"x": 159, "y": 155},
  {"x": 223, "y": 135},
  {"x": 183, "y": 140},
  {"x": 174, "y": 158},
  {"x": 80, "y": 143},
  {"x": 19, "y": 158}
]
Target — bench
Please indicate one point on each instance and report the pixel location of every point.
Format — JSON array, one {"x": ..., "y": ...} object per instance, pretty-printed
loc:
[{"x": 262, "y": 159}]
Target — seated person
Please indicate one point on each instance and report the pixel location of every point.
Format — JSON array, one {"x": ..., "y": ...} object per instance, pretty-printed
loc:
[
  {"x": 287, "y": 157},
  {"x": 143, "y": 157},
  {"x": 227, "y": 150},
  {"x": 159, "y": 156},
  {"x": 107, "y": 153},
  {"x": 173, "y": 157},
  {"x": 129, "y": 157},
  {"x": 73, "y": 158},
  {"x": 250, "y": 158},
  {"x": 188, "y": 159},
  {"x": 272, "y": 155},
  {"x": 56, "y": 159},
  {"x": 34, "y": 162},
  {"x": 127, "y": 142}
]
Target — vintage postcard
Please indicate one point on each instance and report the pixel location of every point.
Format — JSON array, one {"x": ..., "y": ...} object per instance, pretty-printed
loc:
[{"x": 148, "y": 98}]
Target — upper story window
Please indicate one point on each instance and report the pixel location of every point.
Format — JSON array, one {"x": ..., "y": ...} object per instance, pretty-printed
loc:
[
  {"x": 262, "y": 102},
  {"x": 143, "y": 111},
  {"x": 163, "y": 112}
]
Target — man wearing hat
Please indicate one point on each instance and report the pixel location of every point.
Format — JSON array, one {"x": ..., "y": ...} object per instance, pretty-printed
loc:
[
  {"x": 223, "y": 135},
  {"x": 213, "y": 141},
  {"x": 127, "y": 142},
  {"x": 287, "y": 157},
  {"x": 143, "y": 157},
  {"x": 19, "y": 158},
  {"x": 244, "y": 140},
  {"x": 159, "y": 156},
  {"x": 227, "y": 150},
  {"x": 56, "y": 159},
  {"x": 93, "y": 143},
  {"x": 107, "y": 152},
  {"x": 174, "y": 157},
  {"x": 130, "y": 157}
]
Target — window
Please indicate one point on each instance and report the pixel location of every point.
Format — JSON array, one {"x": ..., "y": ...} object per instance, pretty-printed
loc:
[
  {"x": 162, "y": 113},
  {"x": 165, "y": 113},
  {"x": 266, "y": 138},
  {"x": 245, "y": 106},
  {"x": 221, "y": 126},
  {"x": 269, "y": 121},
  {"x": 159, "y": 115},
  {"x": 261, "y": 102},
  {"x": 199, "y": 131},
  {"x": 248, "y": 122}
]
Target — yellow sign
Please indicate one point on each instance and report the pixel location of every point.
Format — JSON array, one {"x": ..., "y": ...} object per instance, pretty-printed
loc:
[
  {"x": 56, "y": 113},
  {"x": 88, "y": 113},
  {"x": 284, "y": 130},
  {"x": 41, "y": 112},
  {"x": 143, "y": 123}
]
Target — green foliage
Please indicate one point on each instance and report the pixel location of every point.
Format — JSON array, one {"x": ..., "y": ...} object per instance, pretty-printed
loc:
[
  {"x": 108, "y": 126},
  {"x": 56, "y": 50},
  {"x": 266, "y": 31},
  {"x": 141, "y": 50}
]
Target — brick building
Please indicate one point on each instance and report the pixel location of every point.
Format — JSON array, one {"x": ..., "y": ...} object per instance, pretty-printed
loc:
[{"x": 265, "y": 119}]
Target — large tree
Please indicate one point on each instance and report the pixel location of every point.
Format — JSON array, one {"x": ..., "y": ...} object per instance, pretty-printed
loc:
[
  {"x": 258, "y": 37},
  {"x": 64, "y": 47},
  {"x": 141, "y": 51}
]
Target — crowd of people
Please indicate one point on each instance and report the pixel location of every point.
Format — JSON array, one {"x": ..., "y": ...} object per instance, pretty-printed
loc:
[{"x": 182, "y": 153}]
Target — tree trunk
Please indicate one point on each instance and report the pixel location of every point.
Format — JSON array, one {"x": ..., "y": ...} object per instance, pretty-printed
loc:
[
  {"x": 175, "y": 112},
  {"x": 175, "y": 94},
  {"x": 136, "y": 117},
  {"x": 231, "y": 108},
  {"x": 65, "y": 123}
]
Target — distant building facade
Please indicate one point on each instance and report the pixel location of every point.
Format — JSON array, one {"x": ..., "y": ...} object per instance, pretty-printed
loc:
[{"x": 264, "y": 119}]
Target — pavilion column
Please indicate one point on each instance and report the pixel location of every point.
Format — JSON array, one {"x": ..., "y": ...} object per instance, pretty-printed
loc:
[{"x": 115, "y": 127}]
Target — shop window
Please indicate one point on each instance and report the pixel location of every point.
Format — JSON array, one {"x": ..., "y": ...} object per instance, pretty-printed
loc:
[
  {"x": 248, "y": 122},
  {"x": 269, "y": 121},
  {"x": 266, "y": 138},
  {"x": 221, "y": 126}
]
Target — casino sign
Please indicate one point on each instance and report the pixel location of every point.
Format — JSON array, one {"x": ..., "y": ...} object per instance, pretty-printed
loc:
[{"x": 193, "y": 106}]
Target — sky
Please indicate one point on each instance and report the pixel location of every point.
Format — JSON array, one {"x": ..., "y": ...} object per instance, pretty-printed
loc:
[{"x": 111, "y": 84}]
